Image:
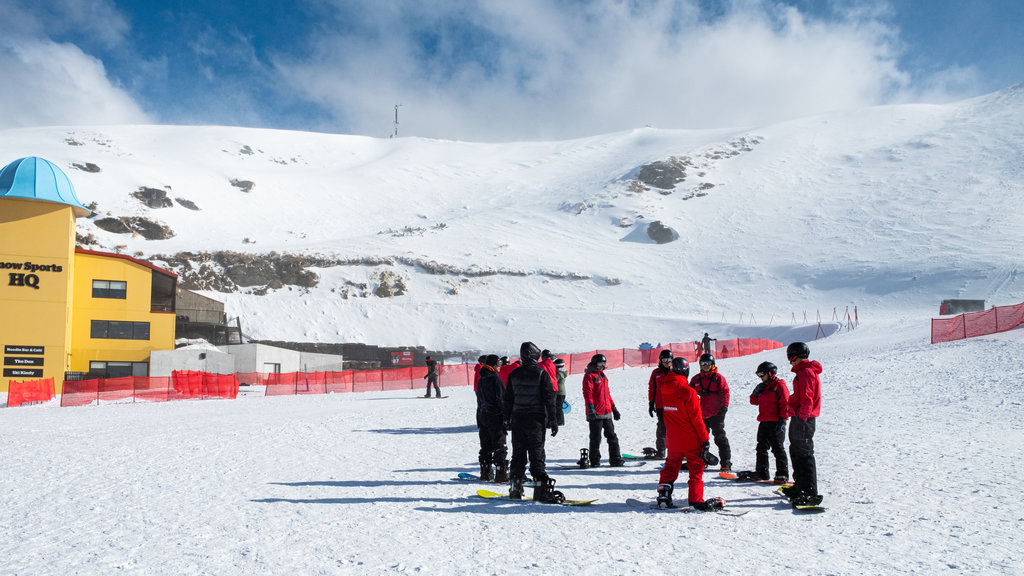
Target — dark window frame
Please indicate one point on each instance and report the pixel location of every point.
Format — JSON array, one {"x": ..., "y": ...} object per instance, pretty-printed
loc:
[
  {"x": 109, "y": 291},
  {"x": 119, "y": 330}
]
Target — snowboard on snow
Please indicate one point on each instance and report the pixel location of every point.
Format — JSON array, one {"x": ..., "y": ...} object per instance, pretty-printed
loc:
[
  {"x": 803, "y": 508},
  {"x": 468, "y": 476},
  {"x": 748, "y": 476},
  {"x": 652, "y": 506},
  {"x": 628, "y": 464},
  {"x": 496, "y": 496}
]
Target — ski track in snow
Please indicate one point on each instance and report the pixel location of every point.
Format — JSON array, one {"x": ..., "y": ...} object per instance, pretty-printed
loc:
[{"x": 916, "y": 450}]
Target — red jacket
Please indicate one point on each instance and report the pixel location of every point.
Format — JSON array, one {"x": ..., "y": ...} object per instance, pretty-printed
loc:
[
  {"x": 713, "y": 391},
  {"x": 548, "y": 365},
  {"x": 684, "y": 424},
  {"x": 654, "y": 387},
  {"x": 773, "y": 402},
  {"x": 596, "y": 392},
  {"x": 806, "y": 399},
  {"x": 507, "y": 369},
  {"x": 476, "y": 375}
]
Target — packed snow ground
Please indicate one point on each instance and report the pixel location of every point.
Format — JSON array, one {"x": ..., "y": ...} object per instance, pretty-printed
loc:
[{"x": 917, "y": 446}]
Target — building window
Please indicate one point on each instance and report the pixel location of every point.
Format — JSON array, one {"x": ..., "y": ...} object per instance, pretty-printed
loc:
[
  {"x": 109, "y": 289},
  {"x": 110, "y": 329},
  {"x": 118, "y": 369}
]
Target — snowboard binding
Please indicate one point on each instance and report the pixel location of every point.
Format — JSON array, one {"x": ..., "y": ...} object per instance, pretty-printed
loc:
[{"x": 584, "y": 461}]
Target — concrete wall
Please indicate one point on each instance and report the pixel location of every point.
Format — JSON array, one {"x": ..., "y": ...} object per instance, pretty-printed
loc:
[
  {"x": 163, "y": 362},
  {"x": 312, "y": 362}
]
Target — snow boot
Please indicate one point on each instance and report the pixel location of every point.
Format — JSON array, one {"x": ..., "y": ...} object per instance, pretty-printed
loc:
[
  {"x": 790, "y": 492},
  {"x": 726, "y": 466},
  {"x": 486, "y": 473},
  {"x": 709, "y": 505},
  {"x": 781, "y": 478},
  {"x": 617, "y": 462},
  {"x": 807, "y": 500},
  {"x": 761, "y": 468},
  {"x": 501, "y": 472},
  {"x": 584, "y": 461},
  {"x": 665, "y": 496},
  {"x": 544, "y": 491},
  {"x": 515, "y": 491},
  {"x": 661, "y": 454}
]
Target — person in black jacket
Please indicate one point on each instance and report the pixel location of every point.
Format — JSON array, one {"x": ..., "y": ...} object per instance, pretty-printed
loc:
[
  {"x": 431, "y": 377},
  {"x": 528, "y": 411},
  {"x": 490, "y": 408}
]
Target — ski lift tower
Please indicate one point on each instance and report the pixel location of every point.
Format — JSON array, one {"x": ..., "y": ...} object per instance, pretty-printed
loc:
[{"x": 395, "y": 135}]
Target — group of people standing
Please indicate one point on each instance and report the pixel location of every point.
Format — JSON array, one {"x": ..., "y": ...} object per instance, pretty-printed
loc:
[
  {"x": 527, "y": 401},
  {"x": 688, "y": 411}
]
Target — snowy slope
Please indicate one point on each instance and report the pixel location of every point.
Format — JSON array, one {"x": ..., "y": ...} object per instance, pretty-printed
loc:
[{"x": 890, "y": 208}]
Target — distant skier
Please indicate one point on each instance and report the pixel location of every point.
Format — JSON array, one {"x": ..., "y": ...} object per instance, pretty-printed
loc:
[
  {"x": 714, "y": 403},
  {"x": 528, "y": 403},
  {"x": 705, "y": 343},
  {"x": 431, "y": 377},
  {"x": 805, "y": 406},
  {"x": 686, "y": 437},
  {"x": 490, "y": 408},
  {"x": 601, "y": 411},
  {"x": 654, "y": 401},
  {"x": 772, "y": 400}
]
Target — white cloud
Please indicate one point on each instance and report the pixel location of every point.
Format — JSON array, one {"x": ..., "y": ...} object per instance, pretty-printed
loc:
[
  {"x": 46, "y": 83},
  {"x": 540, "y": 71}
]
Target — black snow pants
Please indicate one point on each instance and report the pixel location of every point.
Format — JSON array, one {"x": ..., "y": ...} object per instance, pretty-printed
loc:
[
  {"x": 771, "y": 436},
  {"x": 528, "y": 434},
  {"x": 801, "y": 450}
]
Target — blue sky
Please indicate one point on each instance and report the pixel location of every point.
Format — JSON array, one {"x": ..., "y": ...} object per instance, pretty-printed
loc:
[{"x": 493, "y": 70}]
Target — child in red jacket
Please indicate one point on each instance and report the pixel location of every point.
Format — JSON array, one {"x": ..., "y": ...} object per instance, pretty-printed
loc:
[
  {"x": 804, "y": 406},
  {"x": 685, "y": 437},
  {"x": 772, "y": 400}
]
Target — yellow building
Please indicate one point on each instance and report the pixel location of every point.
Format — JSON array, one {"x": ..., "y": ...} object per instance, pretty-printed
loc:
[{"x": 67, "y": 312}]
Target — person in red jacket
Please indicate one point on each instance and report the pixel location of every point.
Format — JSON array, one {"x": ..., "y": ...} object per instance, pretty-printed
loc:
[
  {"x": 686, "y": 437},
  {"x": 772, "y": 400},
  {"x": 601, "y": 411},
  {"x": 654, "y": 401},
  {"x": 804, "y": 406},
  {"x": 505, "y": 369},
  {"x": 714, "y": 403}
]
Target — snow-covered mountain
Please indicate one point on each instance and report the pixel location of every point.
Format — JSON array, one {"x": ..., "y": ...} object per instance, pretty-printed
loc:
[{"x": 456, "y": 245}]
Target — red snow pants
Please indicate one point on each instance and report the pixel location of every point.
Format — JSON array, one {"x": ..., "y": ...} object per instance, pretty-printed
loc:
[{"x": 694, "y": 465}]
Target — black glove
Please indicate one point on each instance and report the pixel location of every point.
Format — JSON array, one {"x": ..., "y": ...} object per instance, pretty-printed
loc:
[
  {"x": 650, "y": 408},
  {"x": 760, "y": 388},
  {"x": 615, "y": 413},
  {"x": 591, "y": 413},
  {"x": 706, "y": 455},
  {"x": 554, "y": 430}
]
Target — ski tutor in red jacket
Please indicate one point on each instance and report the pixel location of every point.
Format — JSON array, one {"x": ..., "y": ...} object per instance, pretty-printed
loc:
[
  {"x": 684, "y": 425},
  {"x": 654, "y": 387},
  {"x": 713, "y": 391},
  {"x": 596, "y": 393}
]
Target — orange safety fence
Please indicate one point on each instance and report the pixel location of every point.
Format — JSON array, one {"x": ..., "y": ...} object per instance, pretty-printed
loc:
[
  {"x": 971, "y": 324},
  {"x": 29, "y": 392},
  {"x": 183, "y": 385}
]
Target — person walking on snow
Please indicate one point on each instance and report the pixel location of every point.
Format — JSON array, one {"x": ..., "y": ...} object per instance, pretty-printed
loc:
[
  {"x": 431, "y": 377},
  {"x": 772, "y": 400},
  {"x": 528, "y": 402},
  {"x": 490, "y": 408},
  {"x": 804, "y": 406},
  {"x": 601, "y": 411},
  {"x": 654, "y": 400},
  {"x": 686, "y": 437},
  {"x": 714, "y": 403}
]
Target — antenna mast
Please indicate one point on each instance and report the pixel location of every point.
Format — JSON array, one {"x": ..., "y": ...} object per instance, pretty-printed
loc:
[{"x": 395, "y": 135}]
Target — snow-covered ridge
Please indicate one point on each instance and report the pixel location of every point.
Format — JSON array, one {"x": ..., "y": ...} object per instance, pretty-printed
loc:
[{"x": 891, "y": 209}]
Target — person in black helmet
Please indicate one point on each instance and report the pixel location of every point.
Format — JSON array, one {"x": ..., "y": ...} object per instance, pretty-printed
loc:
[
  {"x": 804, "y": 406},
  {"x": 601, "y": 411},
  {"x": 528, "y": 406},
  {"x": 655, "y": 403},
  {"x": 714, "y": 403},
  {"x": 771, "y": 397}
]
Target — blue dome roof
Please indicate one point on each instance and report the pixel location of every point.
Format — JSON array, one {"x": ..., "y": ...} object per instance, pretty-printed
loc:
[{"x": 34, "y": 178}]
